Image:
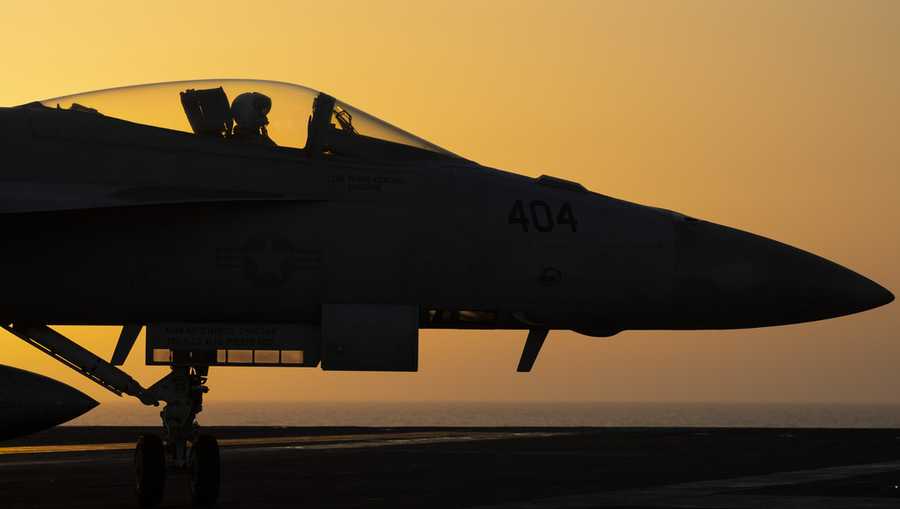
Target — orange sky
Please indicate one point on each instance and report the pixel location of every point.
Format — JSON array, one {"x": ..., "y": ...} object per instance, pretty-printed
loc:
[{"x": 781, "y": 118}]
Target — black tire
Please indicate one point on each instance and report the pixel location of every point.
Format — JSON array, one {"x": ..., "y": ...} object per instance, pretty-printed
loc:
[
  {"x": 205, "y": 471},
  {"x": 149, "y": 470}
]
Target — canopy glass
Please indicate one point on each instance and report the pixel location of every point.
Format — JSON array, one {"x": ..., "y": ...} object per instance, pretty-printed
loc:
[{"x": 286, "y": 116}]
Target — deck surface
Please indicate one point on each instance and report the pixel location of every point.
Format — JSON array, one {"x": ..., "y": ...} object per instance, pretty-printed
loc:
[{"x": 494, "y": 468}]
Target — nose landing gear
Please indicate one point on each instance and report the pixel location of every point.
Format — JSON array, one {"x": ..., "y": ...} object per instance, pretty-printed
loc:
[
  {"x": 187, "y": 450},
  {"x": 181, "y": 390}
]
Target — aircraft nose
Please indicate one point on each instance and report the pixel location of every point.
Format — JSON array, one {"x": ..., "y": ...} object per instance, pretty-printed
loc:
[{"x": 727, "y": 278}]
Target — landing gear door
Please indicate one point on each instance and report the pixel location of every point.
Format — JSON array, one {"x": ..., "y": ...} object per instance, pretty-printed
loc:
[{"x": 370, "y": 337}]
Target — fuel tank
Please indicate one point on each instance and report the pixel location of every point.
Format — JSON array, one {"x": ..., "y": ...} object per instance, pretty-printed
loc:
[{"x": 30, "y": 402}]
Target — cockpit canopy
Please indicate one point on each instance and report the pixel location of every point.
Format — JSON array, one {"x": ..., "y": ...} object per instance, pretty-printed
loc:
[{"x": 254, "y": 111}]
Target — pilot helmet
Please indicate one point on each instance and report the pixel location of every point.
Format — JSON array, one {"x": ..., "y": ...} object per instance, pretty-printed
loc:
[{"x": 250, "y": 110}]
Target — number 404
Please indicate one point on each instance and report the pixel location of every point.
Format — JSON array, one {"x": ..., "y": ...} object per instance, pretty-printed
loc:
[{"x": 540, "y": 215}]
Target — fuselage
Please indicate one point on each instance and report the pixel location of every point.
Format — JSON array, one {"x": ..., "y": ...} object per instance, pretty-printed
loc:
[{"x": 109, "y": 222}]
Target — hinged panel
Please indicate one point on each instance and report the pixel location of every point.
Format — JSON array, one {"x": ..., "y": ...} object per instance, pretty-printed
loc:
[
  {"x": 228, "y": 344},
  {"x": 370, "y": 337}
]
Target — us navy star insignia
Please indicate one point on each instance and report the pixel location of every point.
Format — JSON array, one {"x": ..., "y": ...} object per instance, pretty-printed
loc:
[{"x": 268, "y": 260}]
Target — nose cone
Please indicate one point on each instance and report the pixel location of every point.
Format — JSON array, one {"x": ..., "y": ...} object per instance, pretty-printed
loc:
[{"x": 727, "y": 278}]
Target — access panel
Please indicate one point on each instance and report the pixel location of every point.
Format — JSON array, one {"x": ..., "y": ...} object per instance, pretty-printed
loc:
[
  {"x": 370, "y": 337},
  {"x": 233, "y": 344}
]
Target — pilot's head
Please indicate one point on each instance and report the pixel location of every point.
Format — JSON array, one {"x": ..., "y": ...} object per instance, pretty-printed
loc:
[{"x": 250, "y": 110}]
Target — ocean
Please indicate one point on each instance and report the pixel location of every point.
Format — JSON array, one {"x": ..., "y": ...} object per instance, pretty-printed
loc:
[{"x": 463, "y": 413}]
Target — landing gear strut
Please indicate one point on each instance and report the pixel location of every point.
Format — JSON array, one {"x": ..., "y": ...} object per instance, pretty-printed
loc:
[{"x": 182, "y": 390}]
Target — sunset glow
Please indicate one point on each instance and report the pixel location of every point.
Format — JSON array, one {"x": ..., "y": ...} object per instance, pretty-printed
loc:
[{"x": 780, "y": 118}]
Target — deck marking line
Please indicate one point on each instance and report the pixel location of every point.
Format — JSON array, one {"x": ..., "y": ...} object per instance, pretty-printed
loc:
[{"x": 292, "y": 442}]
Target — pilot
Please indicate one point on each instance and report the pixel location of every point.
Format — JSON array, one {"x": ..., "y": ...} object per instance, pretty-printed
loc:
[{"x": 250, "y": 110}]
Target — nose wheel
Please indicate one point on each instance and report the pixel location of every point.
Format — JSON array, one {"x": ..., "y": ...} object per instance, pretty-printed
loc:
[
  {"x": 187, "y": 449},
  {"x": 205, "y": 471},
  {"x": 149, "y": 470}
]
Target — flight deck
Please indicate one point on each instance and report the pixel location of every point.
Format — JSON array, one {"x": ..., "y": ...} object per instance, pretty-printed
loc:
[{"x": 484, "y": 468}]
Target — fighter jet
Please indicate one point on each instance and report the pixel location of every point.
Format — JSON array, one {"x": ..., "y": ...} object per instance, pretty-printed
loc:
[{"x": 258, "y": 223}]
